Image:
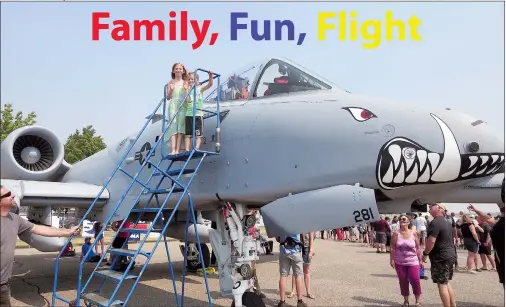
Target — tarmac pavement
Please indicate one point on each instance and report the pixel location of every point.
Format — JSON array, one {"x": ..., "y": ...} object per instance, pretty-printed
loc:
[{"x": 343, "y": 274}]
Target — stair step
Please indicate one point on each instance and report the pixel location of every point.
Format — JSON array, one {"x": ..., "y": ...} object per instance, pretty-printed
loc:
[
  {"x": 151, "y": 210},
  {"x": 163, "y": 191},
  {"x": 138, "y": 230},
  {"x": 176, "y": 172},
  {"x": 184, "y": 156},
  {"x": 100, "y": 300},
  {"x": 126, "y": 252},
  {"x": 114, "y": 275}
]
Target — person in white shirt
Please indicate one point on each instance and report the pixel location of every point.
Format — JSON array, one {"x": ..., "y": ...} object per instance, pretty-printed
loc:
[
  {"x": 394, "y": 225},
  {"x": 421, "y": 228}
]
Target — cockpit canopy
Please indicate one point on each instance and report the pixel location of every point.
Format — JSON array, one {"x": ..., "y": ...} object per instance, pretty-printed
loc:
[{"x": 267, "y": 78}]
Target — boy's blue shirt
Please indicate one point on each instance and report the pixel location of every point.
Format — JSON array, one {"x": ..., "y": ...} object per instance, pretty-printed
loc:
[
  {"x": 289, "y": 251},
  {"x": 85, "y": 249}
]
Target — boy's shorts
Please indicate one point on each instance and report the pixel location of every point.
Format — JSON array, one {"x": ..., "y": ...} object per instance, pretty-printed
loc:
[
  {"x": 291, "y": 261},
  {"x": 189, "y": 125}
]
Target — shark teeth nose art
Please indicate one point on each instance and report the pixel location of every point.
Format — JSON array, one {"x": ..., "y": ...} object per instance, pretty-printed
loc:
[{"x": 403, "y": 162}]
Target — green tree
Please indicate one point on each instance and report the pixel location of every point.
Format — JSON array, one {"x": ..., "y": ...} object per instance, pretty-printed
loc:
[
  {"x": 9, "y": 122},
  {"x": 82, "y": 144}
]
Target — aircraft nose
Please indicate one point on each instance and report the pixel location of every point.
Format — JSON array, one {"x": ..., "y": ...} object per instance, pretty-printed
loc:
[
  {"x": 475, "y": 135},
  {"x": 469, "y": 149},
  {"x": 480, "y": 145}
]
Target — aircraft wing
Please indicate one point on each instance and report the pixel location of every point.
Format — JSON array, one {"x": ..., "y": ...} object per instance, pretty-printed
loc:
[{"x": 60, "y": 194}]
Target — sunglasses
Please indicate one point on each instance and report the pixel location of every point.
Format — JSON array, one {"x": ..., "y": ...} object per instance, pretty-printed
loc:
[
  {"x": 8, "y": 194},
  {"x": 404, "y": 219}
]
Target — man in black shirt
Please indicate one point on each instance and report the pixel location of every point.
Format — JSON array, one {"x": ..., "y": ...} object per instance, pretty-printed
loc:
[
  {"x": 497, "y": 237},
  {"x": 485, "y": 249},
  {"x": 441, "y": 251}
]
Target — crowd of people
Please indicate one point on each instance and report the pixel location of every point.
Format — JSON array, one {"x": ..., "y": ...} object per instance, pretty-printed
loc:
[{"x": 409, "y": 239}]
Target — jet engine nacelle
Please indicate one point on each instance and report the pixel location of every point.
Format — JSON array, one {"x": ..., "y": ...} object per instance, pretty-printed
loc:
[
  {"x": 43, "y": 244},
  {"x": 337, "y": 206},
  {"x": 31, "y": 153}
]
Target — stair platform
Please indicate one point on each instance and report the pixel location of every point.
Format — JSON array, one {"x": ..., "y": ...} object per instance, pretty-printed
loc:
[{"x": 185, "y": 155}]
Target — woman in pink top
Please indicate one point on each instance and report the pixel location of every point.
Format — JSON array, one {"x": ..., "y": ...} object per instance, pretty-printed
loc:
[{"x": 405, "y": 258}]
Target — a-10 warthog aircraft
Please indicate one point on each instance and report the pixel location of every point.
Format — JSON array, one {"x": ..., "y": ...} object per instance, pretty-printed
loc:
[{"x": 308, "y": 154}]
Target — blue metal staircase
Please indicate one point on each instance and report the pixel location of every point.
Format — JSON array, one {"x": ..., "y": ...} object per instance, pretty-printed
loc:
[{"x": 180, "y": 189}]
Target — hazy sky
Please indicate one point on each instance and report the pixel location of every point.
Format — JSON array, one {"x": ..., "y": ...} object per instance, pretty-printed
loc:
[{"x": 49, "y": 63}]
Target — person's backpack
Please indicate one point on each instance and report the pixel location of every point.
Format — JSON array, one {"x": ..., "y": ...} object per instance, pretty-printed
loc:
[
  {"x": 361, "y": 228},
  {"x": 290, "y": 243}
]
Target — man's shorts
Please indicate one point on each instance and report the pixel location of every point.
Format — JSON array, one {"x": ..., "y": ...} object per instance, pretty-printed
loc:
[
  {"x": 293, "y": 261},
  {"x": 442, "y": 272},
  {"x": 499, "y": 267},
  {"x": 381, "y": 237},
  {"x": 305, "y": 256},
  {"x": 484, "y": 250},
  {"x": 188, "y": 123}
]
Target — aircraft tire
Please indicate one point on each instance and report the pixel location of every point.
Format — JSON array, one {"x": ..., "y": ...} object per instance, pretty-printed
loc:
[
  {"x": 251, "y": 299},
  {"x": 206, "y": 255}
]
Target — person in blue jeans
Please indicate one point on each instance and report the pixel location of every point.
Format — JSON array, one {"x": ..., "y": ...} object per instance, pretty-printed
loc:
[{"x": 290, "y": 257}]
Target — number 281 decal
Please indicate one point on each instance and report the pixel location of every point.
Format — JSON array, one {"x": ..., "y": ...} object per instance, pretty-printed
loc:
[{"x": 363, "y": 215}]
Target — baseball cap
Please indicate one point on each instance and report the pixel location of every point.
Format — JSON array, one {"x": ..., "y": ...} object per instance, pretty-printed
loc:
[{"x": 440, "y": 205}]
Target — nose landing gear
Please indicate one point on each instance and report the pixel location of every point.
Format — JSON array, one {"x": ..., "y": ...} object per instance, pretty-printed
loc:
[{"x": 235, "y": 251}]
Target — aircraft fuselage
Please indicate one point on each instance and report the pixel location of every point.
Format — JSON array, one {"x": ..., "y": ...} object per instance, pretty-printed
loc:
[{"x": 306, "y": 141}]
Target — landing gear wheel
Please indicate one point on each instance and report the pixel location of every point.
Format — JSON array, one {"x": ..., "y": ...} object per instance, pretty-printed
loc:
[
  {"x": 194, "y": 265},
  {"x": 245, "y": 271},
  {"x": 249, "y": 221},
  {"x": 251, "y": 299}
]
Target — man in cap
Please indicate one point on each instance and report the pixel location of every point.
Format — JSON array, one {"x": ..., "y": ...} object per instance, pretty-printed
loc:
[
  {"x": 440, "y": 249},
  {"x": 10, "y": 227}
]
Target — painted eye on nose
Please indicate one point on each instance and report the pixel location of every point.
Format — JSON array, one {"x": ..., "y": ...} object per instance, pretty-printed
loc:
[{"x": 360, "y": 114}]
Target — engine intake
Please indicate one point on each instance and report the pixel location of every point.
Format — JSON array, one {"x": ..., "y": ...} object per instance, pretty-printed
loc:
[{"x": 31, "y": 153}]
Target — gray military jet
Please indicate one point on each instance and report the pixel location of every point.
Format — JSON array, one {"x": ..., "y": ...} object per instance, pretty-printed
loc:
[{"x": 307, "y": 153}]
